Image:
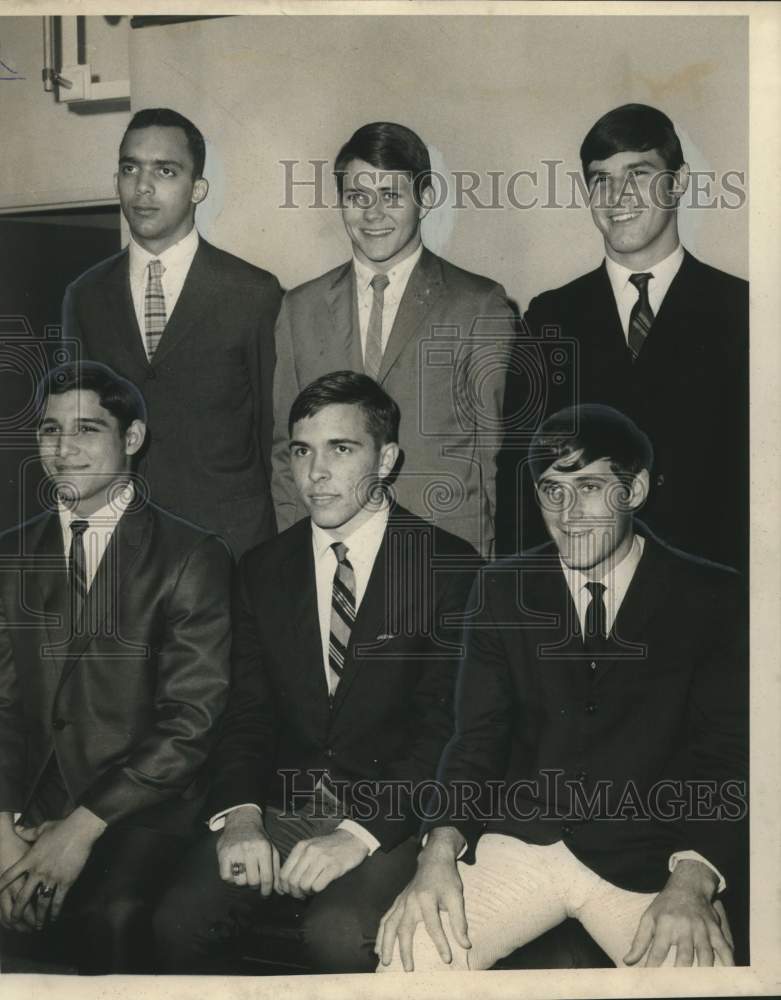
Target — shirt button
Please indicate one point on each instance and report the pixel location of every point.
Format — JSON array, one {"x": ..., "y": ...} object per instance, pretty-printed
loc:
[{"x": 591, "y": 707}]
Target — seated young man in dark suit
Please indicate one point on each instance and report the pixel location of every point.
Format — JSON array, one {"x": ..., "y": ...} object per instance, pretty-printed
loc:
[
  {"x": 194, "y": 327},
  {"x": 114, "y": 668},
  {"x": 345, "y": 651},
  {"x": 436, "y": 338},
  {"x": 601, "y": 725},
  {"x": 654, "y": 332}
]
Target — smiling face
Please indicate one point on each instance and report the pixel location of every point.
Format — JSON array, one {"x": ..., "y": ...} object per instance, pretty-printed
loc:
[
  {"x": 634, "y": 199},
  {"x": 335, "y": 461},
  {"x": 588, "y": 513},
  {"x": 381, "y": 214},
  {"x": 83, "y": 450},
  {"x": 156, "y": 187}
]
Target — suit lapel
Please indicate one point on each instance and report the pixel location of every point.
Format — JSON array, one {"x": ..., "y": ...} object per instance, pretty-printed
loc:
[
  {"x": 121, "y": 322},
  {"x": 606, "y": 320},
  {"x": 424, "y": 287},
  {"x": 44, "y": 545},
  {"x": 345, "y": 339}
]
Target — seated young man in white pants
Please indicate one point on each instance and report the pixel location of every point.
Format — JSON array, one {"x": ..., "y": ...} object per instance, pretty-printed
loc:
[{"x": 598, "y": 765}]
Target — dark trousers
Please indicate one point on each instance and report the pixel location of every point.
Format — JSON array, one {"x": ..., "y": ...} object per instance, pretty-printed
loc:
[{"x": 200, "y": 918}]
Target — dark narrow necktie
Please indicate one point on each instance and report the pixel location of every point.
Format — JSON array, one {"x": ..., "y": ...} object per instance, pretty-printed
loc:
[
  {"x": 373, "y": 353},
  {"x": 78, "y": 568},
  {"x": 342, "y": 615},
  {"x": 642, "y": 315},
  {"x": 596, "y": 614},
  {"x": 154, "y": 307}
]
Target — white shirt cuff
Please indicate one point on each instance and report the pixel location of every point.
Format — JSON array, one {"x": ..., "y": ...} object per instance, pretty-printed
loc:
[
  {"x": 361, "y": 833},
  {"x": 217, "y": 821},
  {"x": 694, "y": 856}
]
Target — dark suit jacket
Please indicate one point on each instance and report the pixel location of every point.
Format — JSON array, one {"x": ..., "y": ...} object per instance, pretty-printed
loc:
[
  {"x": 666, "y": 700},
  {"x": 208, "y": 389},
  {"x": 688, "y": 391},
  {"x": 128, "y": 705},
  {"x": 392, "y": 711},
  {"x": 444, "y": 364}
]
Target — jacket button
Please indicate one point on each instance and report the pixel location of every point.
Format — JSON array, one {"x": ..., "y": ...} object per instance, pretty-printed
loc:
[
  {"x": 330, "y": 752},
  {"x": 566, "y": 829},
  {"x": 591, "y": 707},
  {"x": 593, "y": 664},
  {"x": 151, "y": 375},
  {"x": 660, "y": 479},
  {"x": 581, "y": 777},
  {"x": 59, "y": 724}
]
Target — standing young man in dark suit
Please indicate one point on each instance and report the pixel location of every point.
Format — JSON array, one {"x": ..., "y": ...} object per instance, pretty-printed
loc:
[
  {"x": 601, "y": 725},
  {"x": 114, "y": 668},
  {"x": 660, "y": 335},
  {"x": 344, "y": 666},
  {"x": 193, "y": 326},
  {"x": 434, "y": 336}
]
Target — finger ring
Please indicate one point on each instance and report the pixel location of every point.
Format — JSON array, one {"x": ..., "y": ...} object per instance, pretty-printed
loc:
[
  {"x": 45, "y": 890},
  {"x": 238, "y": 868}
]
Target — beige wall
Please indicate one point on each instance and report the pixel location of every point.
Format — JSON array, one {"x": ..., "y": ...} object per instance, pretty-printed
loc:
[
  {"x": 53, "y": 154},
  {"x": 486, "y": 93}
]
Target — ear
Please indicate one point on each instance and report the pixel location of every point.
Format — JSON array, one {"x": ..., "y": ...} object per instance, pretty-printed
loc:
[
  {"x": 389, "y": 454},
  {"x": 680, "y": 182},
  {"x": 200, "y": 190},
  {"x": 638, "y": 493},
  {"x": 426, "y": 200},
  {"x": 134, "y": 437}
]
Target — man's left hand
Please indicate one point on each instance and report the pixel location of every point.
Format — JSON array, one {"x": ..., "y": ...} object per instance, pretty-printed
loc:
[
  {"x": 684, "y": 916},
  {"x": 59, "y": 851},
  {"x": 314, "y": 864}
]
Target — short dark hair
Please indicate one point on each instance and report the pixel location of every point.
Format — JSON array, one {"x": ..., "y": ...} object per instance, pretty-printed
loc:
[
  {"x": 121, "y": 398},
  {"x": 632, "y": 127},
  {"x": 386, "y": 146},
  {"x": 167, "y": 118},
  {"x": 353, "y": 389},
  {"x": 596, "y": 431}
]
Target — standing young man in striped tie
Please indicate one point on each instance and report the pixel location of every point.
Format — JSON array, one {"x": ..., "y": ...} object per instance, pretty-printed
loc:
[
  {"x": 344, "y": 666},
  {"x": 657, "y": 333}
]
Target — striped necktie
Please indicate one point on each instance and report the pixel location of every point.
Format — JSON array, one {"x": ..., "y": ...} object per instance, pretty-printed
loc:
[
  {"x": 642, "y": 315},
  {"x": 342, "y": 615},
  {"x": 77, "y": 563},
  {"x": 373, "y": 354},
  {"x": 154, "y": 307}
]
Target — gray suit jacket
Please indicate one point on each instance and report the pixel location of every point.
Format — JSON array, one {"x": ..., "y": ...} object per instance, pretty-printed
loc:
[{"x": 445, "y": 365}]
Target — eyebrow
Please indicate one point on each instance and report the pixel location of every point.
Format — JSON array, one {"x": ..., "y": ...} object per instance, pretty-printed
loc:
[
  {"x": 628, "y": 166},
  {"x": 81, "y": 420},
  {"x": 331, "y": 441},
  {"x": 156, "y": 163}
]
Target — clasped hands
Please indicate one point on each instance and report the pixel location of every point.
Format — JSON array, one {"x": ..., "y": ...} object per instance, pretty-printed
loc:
[{"x": 247, "y": 857}]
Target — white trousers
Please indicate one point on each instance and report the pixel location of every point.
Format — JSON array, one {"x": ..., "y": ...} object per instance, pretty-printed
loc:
[{"x": 516, "y": 891}]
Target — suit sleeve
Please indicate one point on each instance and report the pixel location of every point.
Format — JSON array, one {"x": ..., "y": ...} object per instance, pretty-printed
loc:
[
  {"x": 262, "y": 361},
  {"x": 286, "y": 388},
  {"x": 72, "y": 334},
  {"x": 192, "y": 677},
  {"x": 486, "y": 374},
  {"x": 13, "y": 739}
]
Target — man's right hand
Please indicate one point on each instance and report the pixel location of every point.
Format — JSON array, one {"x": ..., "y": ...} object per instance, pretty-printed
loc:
[
  {"x": 244, "y": 841},
  {"x": 436, "y": 887},
  {"x": 12, "y": 849}
]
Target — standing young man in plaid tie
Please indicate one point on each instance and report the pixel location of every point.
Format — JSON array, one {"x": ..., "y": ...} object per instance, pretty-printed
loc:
[
  {"x": 657, "y": 333},
  {"x": 346, "y": 645}
]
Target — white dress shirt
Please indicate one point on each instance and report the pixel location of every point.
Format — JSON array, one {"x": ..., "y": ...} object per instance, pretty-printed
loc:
[
  {"x": 176, "y": 260},
  {"x": 362, "y": 545},
  {"x": 625, "y": 293},
  {"x": 101, "y": 526},
  {"x": 394, "y": 292},
  {"x": 616, "y": 582}
]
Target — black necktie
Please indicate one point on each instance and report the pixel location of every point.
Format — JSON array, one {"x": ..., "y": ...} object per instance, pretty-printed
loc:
[
  {"x": 642, "y": 315},
  {"x": 596, "y": 614},
  {"x": 78, "y": 568}
]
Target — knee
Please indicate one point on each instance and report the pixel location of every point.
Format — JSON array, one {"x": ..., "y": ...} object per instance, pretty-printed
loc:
[{"x": 339, "y": 938}]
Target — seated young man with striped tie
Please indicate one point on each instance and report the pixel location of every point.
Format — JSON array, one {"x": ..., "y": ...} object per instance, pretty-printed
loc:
[
  {"x": 601, "y": 722},
  {"x": 345, "y": 652},
  {"x": 114, "y": 668}
]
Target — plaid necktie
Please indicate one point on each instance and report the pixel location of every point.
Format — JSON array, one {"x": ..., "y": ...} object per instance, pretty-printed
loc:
[
  {"x": 154, "y": 307},
  {"x": 342, "y": 615},
  {"x": 642, "y": 315},
  {"x": 78, "y": 568},
  {"x": 373, "y": 354},
  {"x": 596, "y": 613}
]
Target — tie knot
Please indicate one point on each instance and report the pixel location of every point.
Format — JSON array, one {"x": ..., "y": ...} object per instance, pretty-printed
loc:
[
  {"x": 340, "y": 551},
  {"x": 596, "y": 590},
  {"x": 380, "y": 282},
  {"x": 156, "y": 268},
  {"x": 640, "y": 281},
  {"x": 78, "y": 527}
]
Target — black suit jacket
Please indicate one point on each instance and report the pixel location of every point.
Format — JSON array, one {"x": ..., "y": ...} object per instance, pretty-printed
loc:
[
  {"x": 392, "y": 711},
  {"x": 128, "y": 705},
  {"x": 688, "y": 391},
  {"x": 666, "y": 700},
  {"x": 208, "y": 389}
]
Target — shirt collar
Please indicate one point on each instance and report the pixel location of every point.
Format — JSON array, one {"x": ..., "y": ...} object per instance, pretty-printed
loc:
[
  {"x": 663, "y": 272},
  {"x": 180, "y": 253},
  {"x": 105, "y": 517},
  {"x": 618, "y": 577},
  {"x": 365, "y": 536},
  {"x": 398, "y": 274}
]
